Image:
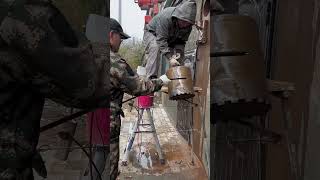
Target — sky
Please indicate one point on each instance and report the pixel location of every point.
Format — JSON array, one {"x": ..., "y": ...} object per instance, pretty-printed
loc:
[{"x": 132, "y": 17}]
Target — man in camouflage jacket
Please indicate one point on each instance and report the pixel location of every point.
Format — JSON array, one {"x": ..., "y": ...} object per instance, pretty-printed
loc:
[
  {"x": 40, "y": 57},
  {"x": 123, "y": 80},
  {"x": 167, "y": 32}
]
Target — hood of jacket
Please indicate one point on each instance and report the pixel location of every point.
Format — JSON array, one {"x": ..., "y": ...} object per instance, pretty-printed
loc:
[{"x": 186, "y": 11}]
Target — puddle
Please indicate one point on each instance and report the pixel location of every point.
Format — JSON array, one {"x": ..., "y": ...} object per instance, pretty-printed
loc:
[{"x": 146, "y": 158}]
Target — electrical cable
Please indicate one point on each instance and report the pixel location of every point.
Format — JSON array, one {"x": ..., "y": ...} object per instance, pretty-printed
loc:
[
  {"x": 90, "y": 149},
  {"x": 103, "y": 145},
  {"x": 75, "y": 115},
  {"x": 64, "y": 135}
]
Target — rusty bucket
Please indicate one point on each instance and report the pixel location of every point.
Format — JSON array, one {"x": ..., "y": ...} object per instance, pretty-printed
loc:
[{"x": 181, "y": 86}]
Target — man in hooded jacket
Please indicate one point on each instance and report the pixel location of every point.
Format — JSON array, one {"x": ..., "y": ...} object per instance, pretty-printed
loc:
[{"x": 166, "y": 34}]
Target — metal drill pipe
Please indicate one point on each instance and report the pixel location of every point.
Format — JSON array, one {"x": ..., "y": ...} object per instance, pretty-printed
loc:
[{"x": 228, "y": 53}]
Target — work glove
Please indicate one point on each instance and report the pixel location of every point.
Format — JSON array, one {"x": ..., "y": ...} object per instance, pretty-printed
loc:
[
  {"x": 173, "y": 60},
  {"x": 165, "y": 79}
]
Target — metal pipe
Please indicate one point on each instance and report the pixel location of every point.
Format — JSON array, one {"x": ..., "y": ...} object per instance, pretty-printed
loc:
[
  {"x": 120, "y": 12},
  {"x": 228, "y": 53}
]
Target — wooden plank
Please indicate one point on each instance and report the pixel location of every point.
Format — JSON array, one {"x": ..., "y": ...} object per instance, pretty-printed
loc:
[{"x": 202, "y": 74}]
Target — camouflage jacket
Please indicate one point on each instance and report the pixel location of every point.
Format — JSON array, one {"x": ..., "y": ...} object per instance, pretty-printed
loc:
[
  {"x": 41, "y": 57},
  {"x": 166, "y": 30},
  {"x": 124, "y": 80}
]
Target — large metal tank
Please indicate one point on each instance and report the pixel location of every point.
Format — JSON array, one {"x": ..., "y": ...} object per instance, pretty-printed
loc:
[{"x": 238, "y": 82}]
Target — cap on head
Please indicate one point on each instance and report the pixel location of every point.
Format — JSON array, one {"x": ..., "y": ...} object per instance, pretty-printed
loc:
[
  {"x": 186, "y": 11},
  {"x": 116, "y": 27}
]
